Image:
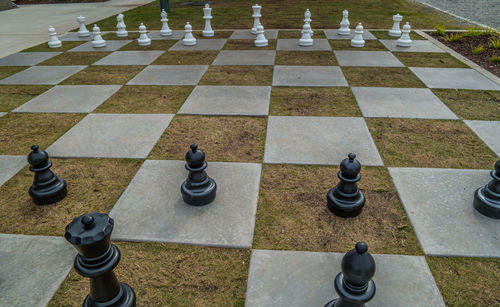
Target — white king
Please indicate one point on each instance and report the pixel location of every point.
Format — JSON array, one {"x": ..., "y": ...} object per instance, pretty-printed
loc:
[
  {"x": 256, "y": 18},
  {"x": 207, "y": 15}
]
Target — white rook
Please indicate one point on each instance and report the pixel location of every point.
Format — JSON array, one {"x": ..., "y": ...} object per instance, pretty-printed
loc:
[
  {"x": 256, "y": 18},
  {"x": 395, "y": 31},
  {"x": 82, "y": 30},
  {"x": 207, "y": 15}
]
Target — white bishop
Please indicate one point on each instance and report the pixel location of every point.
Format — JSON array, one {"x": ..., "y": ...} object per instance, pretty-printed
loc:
[
  {"x": 306, "y": 40},
  {"x": 120, "y": 26},
  {"x": 344, "y": 24}
]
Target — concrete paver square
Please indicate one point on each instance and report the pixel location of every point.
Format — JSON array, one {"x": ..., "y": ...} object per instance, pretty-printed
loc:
[
  {"x": 416, "y": 46},
  {"x": 488, "y": 131},
  {"x": 27, "y": 58},
  {"x": 130, "y": 58},
  {"x": 228, "y": 100},
  {"x": 293, "y": 278},
  {"x": 9, "y": 166},
  {"x": 32, "y": 268},
  {"x": 439, "y": 205},
  {"x": 112, "y": 136},
  {"x": 73, "y": 36},
  {"x": 293, "y": 45},
  {"x": 69, "y": 99},
  {"x": 457, "y": 78},
  {"x": 245, "y": 34},
  {"x": 152, "y": 209},
  {"x": 176, "y": 35},
  {"x": 111, "y": 45},
  {"x": 169, "y": 75},
  {"x": 42, "y": 75},
  {"x": 318, "y": 140},
  {"x": 308, "y": 76},
  {"x": 401, "y": 102},
  {"x": 367, "y": 58},
  {"x": 333, "y": 34},
  {"x": 2, "y": 113},
  {"x": 245, "y": 57},
  {"x": 202, "y": 44}
]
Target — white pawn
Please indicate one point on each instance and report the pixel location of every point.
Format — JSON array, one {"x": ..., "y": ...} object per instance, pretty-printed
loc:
[
  {"x": 260, "y": 40},
  {"x": 189, "y": 39},
  {"x": 120, "y": 26},
  {"x": 82, "y": 30},
  {"x": 307, "y": 19},
  {"x": 395, "y": 31},
  {"x": 256, "y": 18},
  {"x": 54, "y": 42},
  {"x": 165, "y": 30},
  {"x": 358, "y": 41},
  {"x": 404, "y": 40},
  {"x": 344, "y": 24},
  {"x": 97, "y": 42},
  {"x": 207, "y": 15},
  {"x": 306, "y": 40},
  {"x": 143, "y": 39}
]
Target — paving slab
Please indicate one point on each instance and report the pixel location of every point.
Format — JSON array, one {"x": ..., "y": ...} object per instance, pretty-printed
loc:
[
  {"x": 176, "y": 35},
  {"x": 169, "y": 75},
  {"x": 2, "y": 113},
  {"x": 293, "y": 278},
  {"x": 318, "y": 140},
  {"x": 152, "y": 209},
  {"x": 367, "y": 58},
  {"x": 202, "y": 45},
  {"x": 9, "y": 166},
  {"x": 401, "y": 102},
  {"x": 439, "y": 205},
  {"x": 27, "y": 58},
  {"x": 488, "y": 131},
  {"x": 245, "y": 34},
  {"x": 416, "y": 46},
  {"x": 228, "y": 100},
  {"x": 293, "y": 45},
  {"x": 69, "y": 99},
  {"x": 308, "y": 76},
  {"x": 130, "y": 58},
  {"x": 245, "y": 57},
  {"x": 333, "y": 34},
  {"x": 111, "y": 45},
  {"x": 456, "y": 78},
  {"x": 111, "y": 136},
  {"x": 32, "y": 268},
  {"x": 51, "y": 75},
  {"x": 73, "y": 37}
]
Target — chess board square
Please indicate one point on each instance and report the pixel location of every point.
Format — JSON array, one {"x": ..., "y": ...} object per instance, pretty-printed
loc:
[
  {"x": 333, "y": 34},
  {"x": 73, "y": 36},
  {"x": 306, "y": 58},
  {"x": 381, "y": 77},
  {"x": 370, "y": 45},
  {"x": 27, "y": 58},
  {"x": 110, "y": 75},
  {"x": 416, "y": 46},
  {"x": 32, "y": 268},
  {"x": 9, "y": 166},
  {"x": 246, "y": 34},
  {"x": 245, "y": 57},
  {"x": 2, "y": 113},
  {"x": 111, "y": 45},
  {"x": 201, "y": 44},
  {"x": 12, "y": 96},
  {"x": 367, "y": 58},
  {"x": 75, "y": 58},
  {"x": 293, "y": 45},
  {"x": 112, "y": 136},
  {"x": 457, "y": 78},
  {"x": 130, "y": 58},
  {"x": 429, "y": 59},
  {"x": 308, "y": 76},
  {"x": 169, "y": 75},
  {"x": 69, "y": 99},
  {"x": 226, "y": 222},
  {"x": 292, "y": 278},
  {"x": 248, "y": 44},
  {"x": 400, "y": 102},
  {"x": 439, "y": 205},
  {"x": 318, "y": 140},
  {"x": 176, "y": 35},
  {"x": 488, "y": 131},
  {"x": 228, "y": 100},
  {"x": 42, "y": 75}
]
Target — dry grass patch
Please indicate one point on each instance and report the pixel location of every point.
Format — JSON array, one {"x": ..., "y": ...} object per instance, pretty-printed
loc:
[
  {"x": 345, "y": 44},
  {"x": 238, "y": 139},
  {"x": 112, "y": 36},
  {"x": 248, "y": 44},
  {"x": 305, "y": 58},
  {"x": 429, "y": 143},
  {"x": 44, "y": 47},
  {"x": 155, "y": 45},
  {"x": 12, "y": 96},
  {"x": 102, "y": 75},
  {"x": 146, "y": 99},
  {"x": 292, "y": 213},
  {"x": 186, "y": 58},
  {"x": 467, "y": 281},
  {"x": 321, "y": 101},
  {"x": 381, "y": 77},
  {"x": 297, "y": 34},
  {"x": 75, "y": 58},
  {"x": 6, "y": 71},
  {"x": 18, "y": 131},
  {"x": 238, "y": 75},
  {"x": 93, "y": 185},
  {"x": 385, "y": 35},
  {"x": 217, "y": 34},
  {"x": 171, "y": 275},
  {"x": 428, "y": 59},
  {"x": 472, "y": 104}
]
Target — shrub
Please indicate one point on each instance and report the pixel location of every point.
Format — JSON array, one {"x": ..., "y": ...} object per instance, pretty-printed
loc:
[
  {"x": 495, "y": 59},
  {"x": 478, "y": 50},
  {"x": 495, "y": 42},
  {"x": 453, "y": 37},
  {"x": 440, "y": 30}
]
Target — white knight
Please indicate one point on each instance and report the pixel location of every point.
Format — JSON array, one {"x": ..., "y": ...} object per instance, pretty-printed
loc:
[
  {"x": 120, "y": 26},
  {"x": 165, "y": 30},
  {"x": 344, "y": 24}
]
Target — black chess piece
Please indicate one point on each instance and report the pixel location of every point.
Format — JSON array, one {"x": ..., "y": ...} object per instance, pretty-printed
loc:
[
  {"x": 487, "y": 198},
  {"x": 354, "y": 284},
  {"x": 90, "y": 234},
  {"x": 198, "y": 189},
  {"x": 345, "y": 199},
  {"x": 47, "y": 188}
]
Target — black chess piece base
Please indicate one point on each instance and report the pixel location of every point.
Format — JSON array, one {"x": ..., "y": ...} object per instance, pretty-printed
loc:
[
  {"x": 350, "y": 206},
  {"x": 487, "y": 205},
  {"x": 56, "y": 191},
  {"x": 348, "y": 299},
  {"x": 125, "y": 298}
]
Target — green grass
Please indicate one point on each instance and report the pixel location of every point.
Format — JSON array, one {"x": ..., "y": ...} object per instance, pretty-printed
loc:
[
  {"x": 248, "y": 44},
  {"x": 186, "y": 58},
  {"x": 297, "y": 34},
  {"x": 429, "y": 59},
  {"x": 345, "y": 44},
  {"x": 155, "y": 45},
  {"x": 75, "y": 58},
  {"x": 381, "y": 77},
  {"x": 453, "y": 37},
  {"x": 471, "y": 104},
  {"x": 305, "y": 58},
  {"x": 103, "y": 75},
  {"x": 44, "y": 47},
  {"x": 478, "y": 50},
  {"x": 385, "y": 35},
  {"x": 6, "y": 71},
  {"x": 238, "y": 75},
  {"x": 12, "y": 96},
  {"x": 440, "y": 30}
]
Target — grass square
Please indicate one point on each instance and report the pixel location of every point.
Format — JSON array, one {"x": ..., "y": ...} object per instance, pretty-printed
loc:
[
  {"x": 45, "y": 47},
  {"x": 298, "y": 34},
  {"x": 75, "y": 58},
  {"x": 471, "y": 104},
  {"x": 345, "y": 44},
  {"x": 305, "y": 58},
  {"x": 292, "y": 213},
  {"x": 155, "y": 45},
  {"x": 12, "y": 96},
  {"x": 112, "y": 36},
  {"x": 306, "y": 101},
  {"x": 428, "y": 59},
  {"x": 186, "y": 58},
  {"x": 146, "y": 99},
  {"x": 217, "y": 34},
  {"x": 238, "y": 75},
  {"x": 6, "y": 71},
  {"x": 429, "y": 143},
  {"x": 102, "y": 75},
  {"x": 385, "y": 35},
  {"x": 223, "y": 138},
  {"x": 381, "y": 77},
  {"x": 248, "y": 44}
]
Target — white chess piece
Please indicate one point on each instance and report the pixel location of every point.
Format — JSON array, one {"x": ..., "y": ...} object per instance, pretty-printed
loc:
[
  {"x": 260, "y": 40},
  {"x": 54, "y": 42},
  {"x": 358, "y": 41},
  {"x": 120, "y": 26},
  {"x": 207, "y": 15},
  {"x": 404, "y": 40},
  {"x": 82, "y": 30},
  {"x": 143, "y": 39},
  {"x": 256, "y": 18},
  {"x": 165, "y": 30},
  {"x": 307, "y": 19},
  {"x": 344, "y": 24},
  {"x": 97, "y": 42},
  {"x": 189, "y": 39},
  {"x": 306, "y": 40},
  {"x": 395, "y": 31}
]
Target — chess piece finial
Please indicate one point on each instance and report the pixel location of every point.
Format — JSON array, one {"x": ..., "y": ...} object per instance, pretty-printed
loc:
[
  {"x": 344, "y": 24},
  {"x": 98, "y": 41},
  {"x": 82, "y": 30},
  {"x": 189, "y": 39},
  {"x": 260, "y": 40},
  {"x": 143, "y": 39},
  {"x": 405, "y": 40},
  {"x": 358, "y": 41},
  {"x": 120, "y": 26},
  {"x": 198, "y": 189},
  {"x": 54, "y": 42},
  {"x": 487, "y": 198},
  {"x": 207, "y": 15},
  {"x": 256, "y": 18},
  {"x": 395, "y": 31},
  {"x": 165, "y": 29},
  {"x": 306, "y": 40}
]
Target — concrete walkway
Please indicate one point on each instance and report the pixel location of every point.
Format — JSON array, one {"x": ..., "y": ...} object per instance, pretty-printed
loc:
[{"x": 27, "y": 26}]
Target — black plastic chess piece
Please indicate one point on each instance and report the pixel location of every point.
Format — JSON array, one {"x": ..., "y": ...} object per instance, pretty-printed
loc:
[
  {"x": 354, "y": 284},
  {"x": 345, "y": 199},
  {"x": 47, "y": 188},
  {"x": 90, "y": 234},
  {"x": 198, "y": 189},
  {"x": 487, "y": 198}
]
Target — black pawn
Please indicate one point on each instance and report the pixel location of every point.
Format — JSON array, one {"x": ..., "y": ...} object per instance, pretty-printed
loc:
[
  {"x": 198, "y": 189},
  {"x": 47, "y": 188},
  {"x": 90, "y": 234},
  {"x": 354, "y": 284},
  {"x": 345, "y": 199},
  {"x": 487, "y": 198}
]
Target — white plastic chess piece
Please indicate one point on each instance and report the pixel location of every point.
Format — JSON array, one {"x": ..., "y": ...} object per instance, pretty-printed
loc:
[
  {"x": 189, "y": 39},
  {"x": 54, "y": 42},
  {"x": 165, "y": 30},
  {"x": 260, "y": 40},
  {"x": 256, "y": 18},
  {"x": 344, "y": 24},
  {"x": 82, "y": 30},
  {"x": 395, "y": 31},
  {"x": 404, "y": 40},
  {"x": 306, "y": 40},
  {"x": 97, "y": 42},
  {"x": 120, "y": 26},
  {"x": 207, "y": 15},
  {"x": 307, "y": 19},
  {"x": 143, "y": 39},
  {"x": 358, "y": 41}
]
